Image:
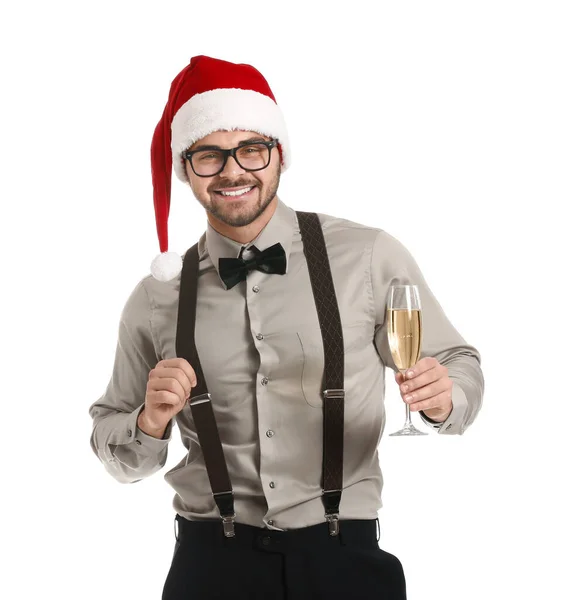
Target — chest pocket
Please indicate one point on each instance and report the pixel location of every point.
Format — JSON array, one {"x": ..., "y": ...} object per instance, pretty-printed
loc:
[{"x": 356, "y": 338}]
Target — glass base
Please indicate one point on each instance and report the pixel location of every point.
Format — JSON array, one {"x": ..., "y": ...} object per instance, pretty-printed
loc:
[{"x": 409, "y": 429}]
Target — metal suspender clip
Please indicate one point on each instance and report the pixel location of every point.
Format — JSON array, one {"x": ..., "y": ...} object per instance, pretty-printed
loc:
[
  {"x": 336, "y": 393},
  {"x": 228, "y": 526},
  {"x": 331, "y": 499},
  {"x": 333, "y": 521},
  {"x": 225, "y": 503}
]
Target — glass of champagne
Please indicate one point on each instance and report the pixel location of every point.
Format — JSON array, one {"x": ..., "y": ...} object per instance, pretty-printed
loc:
[{"x": 404, "y": 337}]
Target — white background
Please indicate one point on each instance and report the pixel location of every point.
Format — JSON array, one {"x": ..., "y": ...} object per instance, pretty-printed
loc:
[{"x": 455, "y": 115}]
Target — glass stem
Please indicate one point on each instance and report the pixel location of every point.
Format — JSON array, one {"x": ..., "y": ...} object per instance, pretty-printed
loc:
[
  {"x": 408, "y": 417},
  {"x": 408, "y": 422}
]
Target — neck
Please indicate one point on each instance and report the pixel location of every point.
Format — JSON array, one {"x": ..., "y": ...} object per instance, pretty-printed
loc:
[{"x": 247, "y": 233}]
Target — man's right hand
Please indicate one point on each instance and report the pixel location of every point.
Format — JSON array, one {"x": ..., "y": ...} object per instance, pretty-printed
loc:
[{"x": 169, "y": 388}]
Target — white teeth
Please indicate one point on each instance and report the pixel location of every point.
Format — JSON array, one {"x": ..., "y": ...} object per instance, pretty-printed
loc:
[{"x": 237, "y": 193}]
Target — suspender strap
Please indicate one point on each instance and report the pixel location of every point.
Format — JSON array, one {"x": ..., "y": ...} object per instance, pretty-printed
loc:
[
  {"x": 333, "y": 377},
  {"x": 200, "y": 401}
]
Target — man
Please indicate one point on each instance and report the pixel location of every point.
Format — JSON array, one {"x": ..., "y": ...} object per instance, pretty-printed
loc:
[{"x": 267, "y": 347}]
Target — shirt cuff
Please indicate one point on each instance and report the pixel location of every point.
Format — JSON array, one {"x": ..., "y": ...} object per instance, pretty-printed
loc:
[
  {"x": 145, "y": 444},
  {"x": 433, "y": 424}
]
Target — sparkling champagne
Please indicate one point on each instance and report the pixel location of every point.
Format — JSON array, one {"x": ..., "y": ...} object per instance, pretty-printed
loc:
[{"x": 404, "y": 336}]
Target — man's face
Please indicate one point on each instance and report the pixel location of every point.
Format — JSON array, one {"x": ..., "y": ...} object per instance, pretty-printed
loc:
[{"x": 239, "y": 210}]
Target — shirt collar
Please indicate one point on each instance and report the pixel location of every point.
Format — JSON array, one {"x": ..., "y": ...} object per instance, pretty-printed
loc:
[{"x": 280, "y": 228}]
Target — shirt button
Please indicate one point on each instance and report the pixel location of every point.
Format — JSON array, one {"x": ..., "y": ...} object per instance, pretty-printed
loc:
[
  {"x": 270, "y": 433},
  {"x": 138, "y": 442},
  {"x": 129, "y": 433},
  {"x": 255, "y": 289},
  {"x": 272, "y": 484},
  {"x": 264, "y": 381},
  {"x": 259, "y": 337},
  {"x": 271, "y": 523}
]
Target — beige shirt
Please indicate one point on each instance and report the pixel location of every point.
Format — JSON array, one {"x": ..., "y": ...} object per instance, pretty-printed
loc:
[{"x": 262, "y": 356}]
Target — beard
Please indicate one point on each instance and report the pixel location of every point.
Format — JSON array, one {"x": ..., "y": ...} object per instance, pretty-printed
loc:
[{"x": 240, "y": 214}]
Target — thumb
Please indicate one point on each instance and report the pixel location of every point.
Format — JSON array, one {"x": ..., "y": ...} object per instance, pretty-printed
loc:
[{"x": 399, "y": 378}]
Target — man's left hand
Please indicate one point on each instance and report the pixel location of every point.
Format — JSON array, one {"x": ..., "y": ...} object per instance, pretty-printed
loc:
[{"x": 429, "y": 388}]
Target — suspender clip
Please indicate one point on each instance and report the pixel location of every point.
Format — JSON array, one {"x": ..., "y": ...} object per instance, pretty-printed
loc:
[
  {"x": 228, "y": 526},
  {"x": 333, "y": 521},
  {"x": 176, "y": 529},
  {"x": 225, "y": 503}
]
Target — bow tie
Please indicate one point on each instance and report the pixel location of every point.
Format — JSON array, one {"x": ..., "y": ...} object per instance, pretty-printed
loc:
[{"x": 270, "y": 260}]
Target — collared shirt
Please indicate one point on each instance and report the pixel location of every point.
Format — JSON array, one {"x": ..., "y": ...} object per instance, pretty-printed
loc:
[{"x": 261, "y": 351}]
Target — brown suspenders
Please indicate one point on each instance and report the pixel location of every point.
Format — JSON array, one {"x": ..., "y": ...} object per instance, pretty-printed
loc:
[
  {"x": 332, "y": 388},
  {"x": 200, "y": 401}
]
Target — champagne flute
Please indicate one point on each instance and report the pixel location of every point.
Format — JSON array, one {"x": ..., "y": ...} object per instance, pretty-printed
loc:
[{"x": 404, "y": 337}]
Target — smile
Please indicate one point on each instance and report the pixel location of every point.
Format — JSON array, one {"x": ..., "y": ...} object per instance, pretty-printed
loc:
[{"x": 236, "y": 193}]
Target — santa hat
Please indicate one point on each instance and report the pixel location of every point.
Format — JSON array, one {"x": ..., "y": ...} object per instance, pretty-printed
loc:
[{"x": 206, "y": 96}]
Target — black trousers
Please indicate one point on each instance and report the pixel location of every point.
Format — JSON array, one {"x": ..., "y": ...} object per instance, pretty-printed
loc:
[{"x": 300, "y": 564}]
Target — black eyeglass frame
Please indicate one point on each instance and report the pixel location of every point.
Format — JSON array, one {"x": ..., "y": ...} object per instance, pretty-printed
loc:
[{"x": 188, "y": 155}]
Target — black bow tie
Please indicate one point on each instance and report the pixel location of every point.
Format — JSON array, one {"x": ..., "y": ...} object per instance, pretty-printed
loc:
[{"x": 270, "y": 260}]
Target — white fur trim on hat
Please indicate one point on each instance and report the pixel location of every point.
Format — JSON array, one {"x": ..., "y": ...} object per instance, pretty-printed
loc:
[
  {"x": 166, "y": 266},
  {"x": 225, "y": 109}
]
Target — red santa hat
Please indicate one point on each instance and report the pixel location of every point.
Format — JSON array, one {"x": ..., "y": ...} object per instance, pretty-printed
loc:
[{"x": 206, "y": 96}]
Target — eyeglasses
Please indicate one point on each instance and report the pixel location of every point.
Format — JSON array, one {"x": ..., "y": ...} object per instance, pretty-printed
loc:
[{"x": 250, "y": 156}]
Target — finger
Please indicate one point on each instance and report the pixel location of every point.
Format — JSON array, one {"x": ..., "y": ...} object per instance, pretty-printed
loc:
[
  {"x": 421, "y": 366},
  {"x": 429, "y": 391},
  {"x": 400, "y": 381},
  {"x": 169, "y": 384},
  {"x": 440, "y": 401},
  {"x": 181, "y": 363},
  {"x": 175, "y": 373},
  {"x": 162, "y": 397},
  {"x": 419, "y": 381}
]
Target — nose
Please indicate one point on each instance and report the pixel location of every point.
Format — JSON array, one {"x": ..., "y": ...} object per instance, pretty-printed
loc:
[{"x": 232, "y": 167}]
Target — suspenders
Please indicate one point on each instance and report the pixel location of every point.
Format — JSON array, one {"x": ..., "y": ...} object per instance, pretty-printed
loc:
[
  {"x": 200, "y": 401},
  {"x": 332, "y": 388}
]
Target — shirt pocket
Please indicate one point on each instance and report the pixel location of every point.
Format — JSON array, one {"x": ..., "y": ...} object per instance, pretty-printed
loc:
[{"x": 355, "y": 338}]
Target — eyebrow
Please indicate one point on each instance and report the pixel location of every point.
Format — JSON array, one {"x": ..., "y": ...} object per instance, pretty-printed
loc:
[{"x": 241, "y": 143}]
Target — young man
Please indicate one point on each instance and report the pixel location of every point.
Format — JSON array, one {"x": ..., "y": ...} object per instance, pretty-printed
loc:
[{"x": 268, "y": 349}]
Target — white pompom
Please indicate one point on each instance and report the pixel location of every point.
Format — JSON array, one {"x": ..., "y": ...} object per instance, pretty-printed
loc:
[{"x": 166, "y": 266}]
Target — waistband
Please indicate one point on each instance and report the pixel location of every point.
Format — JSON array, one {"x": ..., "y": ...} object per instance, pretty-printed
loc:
[{"x": 355, "y": 532}]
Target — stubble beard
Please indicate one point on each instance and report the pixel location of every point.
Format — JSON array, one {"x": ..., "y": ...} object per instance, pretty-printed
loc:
[{"x": 240, "y": 214}]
